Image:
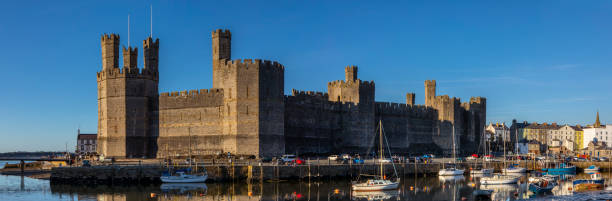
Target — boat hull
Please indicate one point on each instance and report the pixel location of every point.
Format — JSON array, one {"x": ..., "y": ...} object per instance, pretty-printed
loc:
[
  {"x": 184, "y": 179},
  {"x": 515, "y": 170},
  {"x": 499, "y": 180},
  {"x": 561, "y": 170},
  {"x": 538, "y": 189},
  {"x": 384, "y": 187},
  {"x": 445, "y": 172},
  {"x": 482, "y": 171}
]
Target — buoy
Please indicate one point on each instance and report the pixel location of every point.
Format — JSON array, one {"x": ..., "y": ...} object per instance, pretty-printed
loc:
[
  {"x": 463, "y": 198},
  {"x": 250, "y": 193},
  {"x": 152, "y": 195},
  {"x": 411, "y": 187},
  {"x": 336, "y": 191}
]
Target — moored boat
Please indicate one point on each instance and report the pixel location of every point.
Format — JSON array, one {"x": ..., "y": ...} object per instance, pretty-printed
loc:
[
  {"x": 182, "y": 177},
  {"x": 541, "y": 184},
  {"x": 561, "y": 168},
  {"x": 376, "y": 185},
  {"x": 450, "y": 172},
  {"x": 591, "y": 169},
  {"x": 514, "y": 169},
  {"x": 595, "y": 183},
  {"x": 499, "y": 179},
  {"x": 482, "y": 171},
  {"x": 381, "y": 183}
]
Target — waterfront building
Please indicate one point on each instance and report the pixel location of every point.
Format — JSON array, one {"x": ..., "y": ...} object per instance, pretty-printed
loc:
[
  {"x": 499, "y": 131},
  {"x": 534, "y": 147},
  {"x": 578, "y": 138},
  {"x": 602, "y": 133},
  {"x": 539, "y": 133},
  {"x": 561, "y": 147},
  {"x": 563, "y": 134},
  {"x": 518, "y": 129},
  {"x": 247, "y": 112},
  {"x": 86, "y": 143},
  {"x": 597, "y": 149}
]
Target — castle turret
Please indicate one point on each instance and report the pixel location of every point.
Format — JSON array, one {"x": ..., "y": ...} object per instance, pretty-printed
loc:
[
  {"x": 430, "y": 92},
  {"x": 110, "y": 51},
  {"x": 350, "y": 73},
  {"x": 410, "y": 99},
  {"x": 221, "y": 44},
  {"x": 151, "y": 54},
  {"x": 130, "y": 58}
]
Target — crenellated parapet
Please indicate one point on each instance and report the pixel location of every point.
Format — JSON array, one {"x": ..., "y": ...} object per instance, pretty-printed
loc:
[
  {"x": 252, "y": 63},
  {"x": 351, "y": 89},
  {"x": 191, "y": 99},
  {"x": 399, "y": 109},
  {"x": 114, "y": 73}
]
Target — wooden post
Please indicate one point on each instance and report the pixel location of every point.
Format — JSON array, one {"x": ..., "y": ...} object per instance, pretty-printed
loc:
[{"x": 22, "y": 164}]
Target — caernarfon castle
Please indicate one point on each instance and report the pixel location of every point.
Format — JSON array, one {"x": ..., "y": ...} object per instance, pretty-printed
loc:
[{"x": 247, "y": 112}]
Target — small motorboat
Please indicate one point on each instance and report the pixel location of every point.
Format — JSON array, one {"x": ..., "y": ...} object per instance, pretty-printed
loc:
[
  {"x": 499, "y": 179},
  {"x": 482, "y": 171},
  {"x": 449, "y": 179},
  {"x": 376, "y": 185},
  {"x": 591, "y": 169},
  {"x": 450, "y": 172},
  {"x": 595, "y": 183},
  {"x": 541, "y": 184},
  {"x": 182, "y": 177},
  {"x": 561, "y": 168}
]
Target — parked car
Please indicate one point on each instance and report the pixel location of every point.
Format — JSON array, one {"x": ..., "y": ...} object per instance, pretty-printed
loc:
[
  {"x": 384, "y": 160},
  {"x": 346, "y": 156},
  {"x": 357, "y": 161},
  {"x": 604, "y": 159},
  {"x": 86, "y": 163},
  {"x": 288, "y": 158},
  {"x": 333, "y": 157}
]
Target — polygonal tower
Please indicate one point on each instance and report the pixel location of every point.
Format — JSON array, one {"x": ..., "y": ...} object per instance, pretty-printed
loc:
[
  {"x": 127, "y": 102},
  {"x": 430, "y": 92}
]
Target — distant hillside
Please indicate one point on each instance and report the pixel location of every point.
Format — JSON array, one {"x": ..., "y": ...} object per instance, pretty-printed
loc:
[{"x": 30, "y": 154}]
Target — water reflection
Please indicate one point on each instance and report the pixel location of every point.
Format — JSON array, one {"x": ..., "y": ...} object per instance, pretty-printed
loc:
[{"x": 415, "y": 188}]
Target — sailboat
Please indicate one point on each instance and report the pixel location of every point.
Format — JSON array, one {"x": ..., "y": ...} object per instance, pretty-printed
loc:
[
  {"x": 182, "y": 176},
  {"x": 451, "y": 171},
  {"x": 500, "y": 178},
  {"x": 514, "y": 168},
  {"x": 381, "y": 183},
  {"x": 484, "y": 169}
]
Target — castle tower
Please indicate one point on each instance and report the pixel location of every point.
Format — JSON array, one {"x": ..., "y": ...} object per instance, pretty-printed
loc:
[
  {"x": 221, "y": 49},
  {"x": 430, "y": 92},
  {"x": 127, "y": 103},
  {"x": 410, "y": 99},
  {"x": 130, "y": 58},
  {"x": 110, "y": 51},
  {"x": 151, "y": 54},
  {"x": 350, "y": 73}
]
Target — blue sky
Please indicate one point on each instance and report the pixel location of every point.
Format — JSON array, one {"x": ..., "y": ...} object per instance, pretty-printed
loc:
[{"x": 532, "y": 60}]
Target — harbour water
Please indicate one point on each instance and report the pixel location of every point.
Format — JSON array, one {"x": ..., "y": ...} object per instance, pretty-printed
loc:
[{"x": 415, "y": 188}]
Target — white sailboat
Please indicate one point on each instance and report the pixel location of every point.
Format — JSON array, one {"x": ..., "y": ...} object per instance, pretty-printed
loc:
[
  {"x": 182, "y": 176},
  {"x": 500, "y": 178},
  {"x": 451, "y": 171},
  {"x": 381, "y": 183},
  {"x": 514, "y": 168},
  {"x": 484, "y": 170}
]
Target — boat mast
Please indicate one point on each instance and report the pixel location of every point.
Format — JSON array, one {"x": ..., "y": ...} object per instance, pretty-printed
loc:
[
  {"x": 504, "y": 141},
  {"x": 454, "y": 154},
  {"x": 382, "y": 156}
]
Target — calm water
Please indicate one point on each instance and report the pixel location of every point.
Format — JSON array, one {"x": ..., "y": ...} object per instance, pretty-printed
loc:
[{"x": 422, "y": 188}]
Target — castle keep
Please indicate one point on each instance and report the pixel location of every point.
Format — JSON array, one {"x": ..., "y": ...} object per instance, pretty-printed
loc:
[{"x": 247, "y": 113}]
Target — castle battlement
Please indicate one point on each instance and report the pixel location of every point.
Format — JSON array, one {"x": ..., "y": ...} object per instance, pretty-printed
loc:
[
  {"x": 191, "y": 98},
  {"x": 221, "y": 32},
  {"x": 109, "y": 37},
  {"x": 258, "y": 63},
  {"x": 113, "y": 73},
  {"x": 404, "y": 109},
  {"x": 342, "y": 83},
  {"x": 295, "y": 92}
]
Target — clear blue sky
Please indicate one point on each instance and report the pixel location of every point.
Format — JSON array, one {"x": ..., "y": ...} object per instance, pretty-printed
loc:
[{"x": 532, "y": 60}]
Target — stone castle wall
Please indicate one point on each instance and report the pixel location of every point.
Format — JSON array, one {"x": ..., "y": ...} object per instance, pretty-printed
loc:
[{"x": 247, "y": 113}]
